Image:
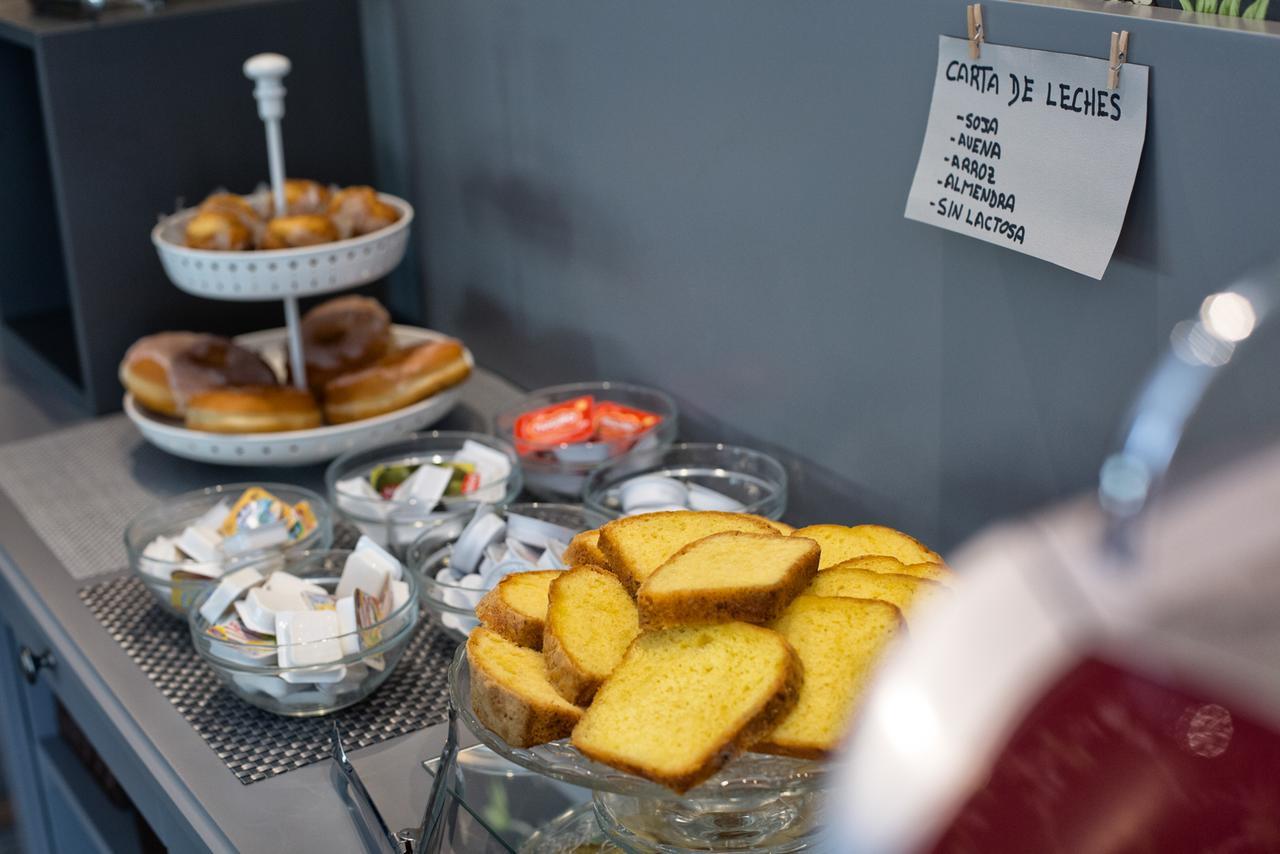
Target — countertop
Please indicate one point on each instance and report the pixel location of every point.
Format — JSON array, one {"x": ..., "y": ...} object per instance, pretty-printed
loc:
[{"x": 183, "y": 789}]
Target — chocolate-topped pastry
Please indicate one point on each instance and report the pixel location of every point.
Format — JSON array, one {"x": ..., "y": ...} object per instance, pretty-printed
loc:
[{"x": 164, "y": 370}]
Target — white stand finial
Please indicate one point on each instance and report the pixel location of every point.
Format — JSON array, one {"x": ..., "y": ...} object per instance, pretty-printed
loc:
[{"x": 268, "y": 70}]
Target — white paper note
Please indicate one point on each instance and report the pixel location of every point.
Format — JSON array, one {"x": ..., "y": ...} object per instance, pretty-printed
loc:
[{"x": 1029, "y": 150}]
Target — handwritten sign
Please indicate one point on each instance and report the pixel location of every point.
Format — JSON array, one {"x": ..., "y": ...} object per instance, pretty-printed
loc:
[{"x": 1029, "y": 150}]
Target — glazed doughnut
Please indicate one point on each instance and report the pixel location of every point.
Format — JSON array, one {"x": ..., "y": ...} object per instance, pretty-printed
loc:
[
  {"x": 398, "y": 379},
  {"x": 302, "y": 196},
  {"x": 285, "y": 232},
  {"x": 233, "y": 205},
  {"x": 358, "y": 210},
  {"x": 342, "y": 335},
  {"x": 252, "y": 409},
  {"x": 165, "y": 370},
  {"x": 218, "y": 229}
]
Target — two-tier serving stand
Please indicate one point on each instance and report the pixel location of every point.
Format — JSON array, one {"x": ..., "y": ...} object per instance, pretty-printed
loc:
[{"x": 285, "y": 275}]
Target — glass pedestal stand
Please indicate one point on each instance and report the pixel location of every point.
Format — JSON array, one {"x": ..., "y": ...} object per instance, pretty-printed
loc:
[{"x": 756, "y": 804}]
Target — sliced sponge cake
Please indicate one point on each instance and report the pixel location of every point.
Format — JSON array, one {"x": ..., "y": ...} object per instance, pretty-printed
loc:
[
  {"x": 684, "y": 701},
  {"x": 584, "y": 550},
  {"x": 728, "y": 576},
  {"x": 840, "y": 544},
  {"x": 781, "y": 527},
  {"x": 839, "y": 642},
  {"x": 591, "y": 620},
  {"x": 517, "y": 607},
  {"x": 511, "y": 695},
  {"x": 879, "y": 563},
  {"x": 637, "y": 545},
  {"x": 906, "y": 592}
]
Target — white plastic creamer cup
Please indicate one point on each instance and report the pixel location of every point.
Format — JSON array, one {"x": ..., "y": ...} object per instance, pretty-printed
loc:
[
  {"x": 484, "y": 528},
  {"x": 652, "y": 491}
]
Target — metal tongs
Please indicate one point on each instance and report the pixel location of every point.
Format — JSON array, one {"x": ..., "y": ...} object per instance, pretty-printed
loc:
[{"x": 428, "y": 836}]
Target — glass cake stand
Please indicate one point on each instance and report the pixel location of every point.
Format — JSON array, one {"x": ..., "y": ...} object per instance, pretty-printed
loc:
[{"x": 757, "y": 803}]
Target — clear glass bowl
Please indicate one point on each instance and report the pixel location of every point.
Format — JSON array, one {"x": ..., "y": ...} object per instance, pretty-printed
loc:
[
  {"x": 756, "y": 802},
  {"x": 169, "y": 517},
  {"x": 452, "y": 604},
  {"x": 396, "y": 524},
  {"x": 755, "y": 479},
  {"x": 557, "y": 472},
  {"x": 263, "y": 686}
]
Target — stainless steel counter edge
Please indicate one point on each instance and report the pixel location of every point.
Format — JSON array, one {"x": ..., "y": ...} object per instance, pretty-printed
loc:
[
  {"x": 190, "y": 798},
  {"x": 37, "y": 607}
]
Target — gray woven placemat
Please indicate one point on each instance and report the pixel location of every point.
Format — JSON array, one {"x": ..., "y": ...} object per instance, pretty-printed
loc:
[
  {"x": 255, "y": 744},
  {"x": 78, "y": 488}
]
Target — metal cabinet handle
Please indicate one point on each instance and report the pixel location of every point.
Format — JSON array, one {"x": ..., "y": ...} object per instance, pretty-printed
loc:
[{"x": 31, "y": 663}]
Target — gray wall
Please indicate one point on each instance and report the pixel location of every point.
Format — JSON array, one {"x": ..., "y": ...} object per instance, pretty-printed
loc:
[{"x": 708, "y": 197}]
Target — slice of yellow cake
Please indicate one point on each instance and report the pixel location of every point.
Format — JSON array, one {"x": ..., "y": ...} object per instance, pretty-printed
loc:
[
  {"x": 879, "y": 563},
  {"x": 892, "y": 566},
  {"x": 840, "y": 544},
  {"x": 725, "y": 577},
  {"x": 637, "y": 545},
  {"x": 516, "y": 607},
  {"x": 938, "y": 572},
  {"x": 685, "y": 701},
  {"x": 781, "y": 527},
  {"x": 511, "y": 695},
  {"x": 903, "y": 591},
  {"x": 584, "y": 550},
  {"x": 591, "y": 620},
  {"x": 839, "y": 642}
]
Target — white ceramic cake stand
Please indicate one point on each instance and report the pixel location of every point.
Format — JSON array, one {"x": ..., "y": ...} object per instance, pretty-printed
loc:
[
  {"x": 285, "y": 275},
  {"x": 280, "y": 274},
  {"x": 277, "y": 274},
  {"x": 294, "y": 447}
]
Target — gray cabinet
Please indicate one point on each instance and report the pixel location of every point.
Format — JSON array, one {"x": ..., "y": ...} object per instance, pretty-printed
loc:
[{"x": 60, "y": 804}]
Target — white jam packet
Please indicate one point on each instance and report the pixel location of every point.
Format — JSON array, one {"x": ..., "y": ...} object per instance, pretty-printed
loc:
[
  {"x": 229, "y": 589},
  {"x": 309, "y": 639},
  {"x": 425, "y": 486},
  {"x": 357, "y": 487},
  {"x": 272, "y": 686},
  {"x": 158, "y": 557},
  {"x": 256, "y": 539},
  {"x": 202, "y": 544},
  {"x": 493, "y": 467},
  {"x": 399, "y": 595},
  {"x": 380, "y": 556},
  {"x": 368, "y": 568},
  {"x": 214, "y": 516},
  {"x": 348, "y": 625},
  {"x": 259, "y": 607},
  {"x": 291, "y": 583}
]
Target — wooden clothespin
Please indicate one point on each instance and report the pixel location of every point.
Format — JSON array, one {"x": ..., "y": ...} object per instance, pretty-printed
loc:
[
  {"x": 976, "y": 36},
  {"x": 1119, "y": 55}
]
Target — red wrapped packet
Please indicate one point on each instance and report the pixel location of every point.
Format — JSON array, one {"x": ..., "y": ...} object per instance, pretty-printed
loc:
[
  {"x": 563, "y": 423},
  {"x": 582, "y": 419},
  {"x": 615, "y": 421}
]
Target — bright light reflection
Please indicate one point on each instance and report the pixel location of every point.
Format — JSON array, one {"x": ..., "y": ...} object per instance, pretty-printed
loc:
[
  {"x": 908, "y": 720},
  {"x": 1228, "y": 316},
  {"x": 1194, "y": 344}
]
